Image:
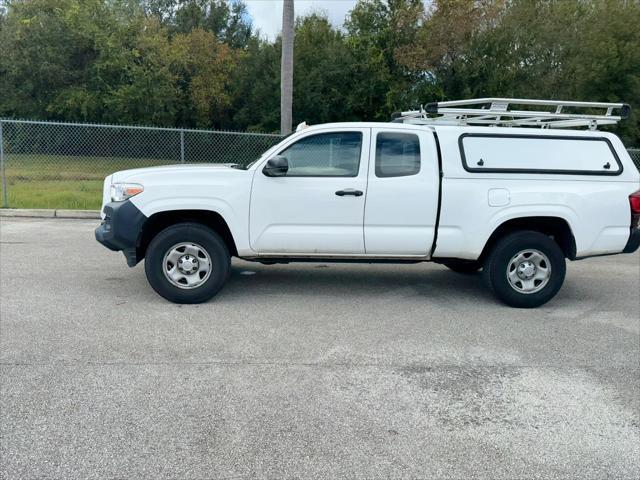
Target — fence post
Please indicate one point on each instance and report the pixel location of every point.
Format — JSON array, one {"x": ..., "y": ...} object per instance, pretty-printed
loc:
[
  {"x": 5, "y": 196},
  {"x": 182, "y": 145}
]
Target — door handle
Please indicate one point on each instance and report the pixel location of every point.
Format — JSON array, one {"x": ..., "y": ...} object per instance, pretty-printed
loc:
[{"x": 349, "y": 191}]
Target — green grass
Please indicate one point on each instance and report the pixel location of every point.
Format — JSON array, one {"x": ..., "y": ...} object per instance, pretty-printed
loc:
[
  {"x": 68, "y": 194},
  {"x": 56, "y": 181}
]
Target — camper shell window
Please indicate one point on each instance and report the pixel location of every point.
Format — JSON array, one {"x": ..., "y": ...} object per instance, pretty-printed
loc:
[{"x": 570, "y": 155}]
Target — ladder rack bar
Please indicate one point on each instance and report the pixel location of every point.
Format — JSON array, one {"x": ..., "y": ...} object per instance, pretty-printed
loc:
[
  {"x": 525, "y": 101},
  {"x": 497, "y": 112},
  {"x": 525, "y": 114}
]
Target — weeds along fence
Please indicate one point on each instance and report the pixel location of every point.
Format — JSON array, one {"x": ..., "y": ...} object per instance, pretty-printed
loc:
[{"x": 62, "y": 165}]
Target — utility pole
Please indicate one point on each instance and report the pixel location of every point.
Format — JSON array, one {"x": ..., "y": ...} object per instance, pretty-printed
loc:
[{"x": 286, "y": 68}]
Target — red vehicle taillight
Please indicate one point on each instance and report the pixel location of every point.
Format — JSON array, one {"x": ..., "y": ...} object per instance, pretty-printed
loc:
[{"x": 634, "y": 203}]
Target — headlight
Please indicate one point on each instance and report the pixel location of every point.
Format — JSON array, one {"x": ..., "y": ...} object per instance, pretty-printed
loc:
[{"x": 122, "y": 191}]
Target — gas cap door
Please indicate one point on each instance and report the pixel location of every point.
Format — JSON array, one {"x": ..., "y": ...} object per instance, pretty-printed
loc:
[{"x": 499, "y": 197}]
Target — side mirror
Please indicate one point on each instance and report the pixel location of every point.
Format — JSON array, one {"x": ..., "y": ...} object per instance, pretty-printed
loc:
[{"x": 276, "y": 167}]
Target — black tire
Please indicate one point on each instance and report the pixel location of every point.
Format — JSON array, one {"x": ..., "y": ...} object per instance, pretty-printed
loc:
[
  {"x": 500, "y": 265},
  {"x": 211, "y": 244},
  {"x": 463, "y": 266}
]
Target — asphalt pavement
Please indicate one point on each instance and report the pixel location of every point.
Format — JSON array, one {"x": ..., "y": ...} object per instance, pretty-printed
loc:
[{"x": 309, "y": 370}]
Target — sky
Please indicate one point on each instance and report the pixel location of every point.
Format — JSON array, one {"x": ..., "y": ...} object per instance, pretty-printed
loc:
[{"x": 266, "y": 15}]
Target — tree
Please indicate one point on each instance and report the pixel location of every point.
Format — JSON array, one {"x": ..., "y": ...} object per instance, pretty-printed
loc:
[
  {"x": 376, "y": 30},
  {"x": 255, "y": 88},
  {"x": 140, "y": 85},
  {"x": 323, "y": 77},
  {"x": 204, "y": 67},
  {"x": 48, "y": 49},
  {"x": 555, "y": 49},
  {"x": 226, "y": 19},
  {"x": 198, "y": 62}
]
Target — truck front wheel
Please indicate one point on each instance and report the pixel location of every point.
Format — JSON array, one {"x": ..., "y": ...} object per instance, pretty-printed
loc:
[
  {"x": 187, "y": 263},
  {"x": 525, "y": 269}
]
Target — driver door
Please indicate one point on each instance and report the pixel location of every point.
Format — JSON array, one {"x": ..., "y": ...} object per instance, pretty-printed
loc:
[{"x": 317, "y": 207}]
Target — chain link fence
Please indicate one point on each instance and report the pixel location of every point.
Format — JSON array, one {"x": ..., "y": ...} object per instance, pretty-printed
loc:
[
  {"x": 63, "y": 165},
  {"x": 635, "y": 156}
]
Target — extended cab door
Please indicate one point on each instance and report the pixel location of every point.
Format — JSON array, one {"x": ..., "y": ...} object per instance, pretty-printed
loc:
[
  {"x": 317, "y": 208},
  {"x": 402, "y": 192}
]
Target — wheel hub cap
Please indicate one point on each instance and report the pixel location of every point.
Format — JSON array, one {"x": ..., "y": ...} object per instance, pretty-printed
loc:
[
  {"x": 187, "y": 265},
  {"x": 528, "y": 271}
]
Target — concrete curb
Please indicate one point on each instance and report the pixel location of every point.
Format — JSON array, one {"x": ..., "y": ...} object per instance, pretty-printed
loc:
[
  {"x": 77, "y": 213},
  {"x": 44, "y": 213}
]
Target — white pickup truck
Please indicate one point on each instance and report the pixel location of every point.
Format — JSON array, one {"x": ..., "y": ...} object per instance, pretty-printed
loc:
[{"x": 461, "y": 189}]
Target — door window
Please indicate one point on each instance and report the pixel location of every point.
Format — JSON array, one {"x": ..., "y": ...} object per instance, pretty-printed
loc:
[
  {"x": 397, "y": 154},
  {"x": 325, "y": 155}
]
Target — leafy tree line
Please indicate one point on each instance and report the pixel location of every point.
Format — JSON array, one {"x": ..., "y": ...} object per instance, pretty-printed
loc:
[{"x": 201, "y": 63}]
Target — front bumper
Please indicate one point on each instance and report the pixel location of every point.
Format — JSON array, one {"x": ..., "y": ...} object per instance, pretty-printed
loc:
[
  {"x": 120, "y": 229},
  {"x": 634, "y": 241}
]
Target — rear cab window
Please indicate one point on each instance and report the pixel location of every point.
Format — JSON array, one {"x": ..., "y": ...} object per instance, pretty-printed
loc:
[
  {"x": 397, "y": 154},
  {"x": 504, "y": 153}
]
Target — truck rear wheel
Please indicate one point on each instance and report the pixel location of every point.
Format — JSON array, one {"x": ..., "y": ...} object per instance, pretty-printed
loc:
[
  {"x": 525, "y": 269},
  {"x": 187, "y": 263}
]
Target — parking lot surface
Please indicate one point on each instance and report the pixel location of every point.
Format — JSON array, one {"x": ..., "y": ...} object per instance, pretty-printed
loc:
[{"x": 309, "y": 370}]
